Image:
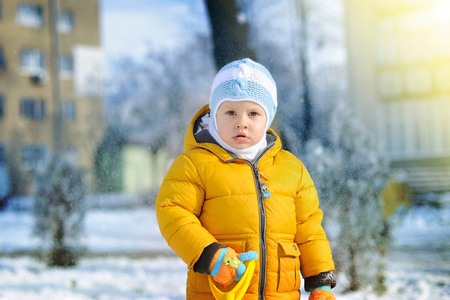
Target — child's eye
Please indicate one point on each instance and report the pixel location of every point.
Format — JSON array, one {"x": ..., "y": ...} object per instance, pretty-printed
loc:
[
  {"x": 254, "y": 114},
  {"x": 231, "y": 113}
]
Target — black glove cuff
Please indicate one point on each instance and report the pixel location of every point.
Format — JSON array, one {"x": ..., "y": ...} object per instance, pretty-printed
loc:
[
  {"x": 203, "y": 263},
  {"x": 325, "y": 278}
]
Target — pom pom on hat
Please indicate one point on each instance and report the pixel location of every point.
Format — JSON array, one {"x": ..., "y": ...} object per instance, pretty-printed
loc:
[{"x": 244, "y": 80}]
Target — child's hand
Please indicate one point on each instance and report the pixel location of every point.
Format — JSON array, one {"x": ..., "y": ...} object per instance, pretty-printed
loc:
[
  {"x": 321, "y": 293},
  {"x": 227, "y": 266}
]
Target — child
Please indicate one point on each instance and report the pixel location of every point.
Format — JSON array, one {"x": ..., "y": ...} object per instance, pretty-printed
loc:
[{"x": 234, "y": 196}]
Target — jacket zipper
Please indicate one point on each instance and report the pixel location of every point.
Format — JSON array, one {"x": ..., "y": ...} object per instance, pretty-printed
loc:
[
  {"x": 262, "y": 224},
  {"x": 262, "y": 236}
]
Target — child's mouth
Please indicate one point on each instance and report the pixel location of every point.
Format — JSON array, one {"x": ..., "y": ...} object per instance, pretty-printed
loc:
[{"x": 240, "y": 137}]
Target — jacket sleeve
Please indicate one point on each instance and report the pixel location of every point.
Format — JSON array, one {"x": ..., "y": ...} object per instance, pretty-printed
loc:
[
  {"x": 315, "y": 252},
  {"x": 178, "y": 206}
]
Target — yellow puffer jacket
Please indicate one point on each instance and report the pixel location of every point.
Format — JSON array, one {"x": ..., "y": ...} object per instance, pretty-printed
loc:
[{"x": 210, "y": 196}]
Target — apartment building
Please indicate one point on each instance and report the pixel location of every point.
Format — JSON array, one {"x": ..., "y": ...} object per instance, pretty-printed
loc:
[
  {"x": 50, "y": 85},
  {"x": 399, "y": 58}
]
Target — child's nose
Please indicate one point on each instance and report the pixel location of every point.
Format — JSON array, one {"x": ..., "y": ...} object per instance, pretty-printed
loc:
[{"x": 242, "y": 122}]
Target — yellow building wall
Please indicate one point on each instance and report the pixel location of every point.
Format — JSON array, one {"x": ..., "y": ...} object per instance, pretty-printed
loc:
[{"x": 85, "y": 132}]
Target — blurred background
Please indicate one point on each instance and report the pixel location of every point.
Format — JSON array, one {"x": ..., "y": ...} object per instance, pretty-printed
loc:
[{"x": 96, "y": 96}]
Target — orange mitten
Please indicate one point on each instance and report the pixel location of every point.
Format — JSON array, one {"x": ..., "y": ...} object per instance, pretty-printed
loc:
[
  {"x": 228, "y": 266},
  {"x": 321, "y": 293}
]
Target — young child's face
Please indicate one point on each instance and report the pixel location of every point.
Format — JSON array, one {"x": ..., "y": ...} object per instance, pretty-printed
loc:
[{"x": 241, "y": 124}]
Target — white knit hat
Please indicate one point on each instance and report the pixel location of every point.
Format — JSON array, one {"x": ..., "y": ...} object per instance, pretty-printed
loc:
[{"x": 244, "y": 80}]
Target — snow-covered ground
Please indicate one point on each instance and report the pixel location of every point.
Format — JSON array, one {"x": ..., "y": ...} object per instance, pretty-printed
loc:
[{"x": 130, "y": 260}]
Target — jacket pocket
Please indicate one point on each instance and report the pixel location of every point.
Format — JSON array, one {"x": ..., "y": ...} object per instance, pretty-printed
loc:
[
  {"x": 236, "y": 245},
  {"x": 288, "y": 267}
]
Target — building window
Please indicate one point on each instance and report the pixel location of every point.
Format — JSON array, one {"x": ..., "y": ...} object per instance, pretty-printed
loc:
[
  {"x": 65, "y": 21},
  {"x": 68, "y": 110},
  {"x": 71, "y": 155},
  {"x": 32, "y": 109},
  {"x": 33, "y": 155},
  {"x": 2, "y": 60},
  {"x": 2, "y": 107},
  {"x": 30, "y": 15},
  {"x": 416, "y": 129},
  {"x": 2, "y": 154},
  {"x": 32, "y": 61},
  {"x": 66, "y": 65}
]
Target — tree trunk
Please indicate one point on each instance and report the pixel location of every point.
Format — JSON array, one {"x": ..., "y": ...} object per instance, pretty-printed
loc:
[
  {"x": 307, "y": 119},
  {"x": 353, "y": 271},
  {"x": 61, "y": 256},
  {"x": 230, "y": 37}
]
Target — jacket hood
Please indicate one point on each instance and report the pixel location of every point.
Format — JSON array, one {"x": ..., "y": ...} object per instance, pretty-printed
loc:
[{"x": 205, "y": 141}]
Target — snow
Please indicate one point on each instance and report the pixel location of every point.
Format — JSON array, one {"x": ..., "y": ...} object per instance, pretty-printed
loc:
[
  {"x": 128, "y": 259},
  {"x": 94, "y": 278},
  {"x": 109, "y": 231}
]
